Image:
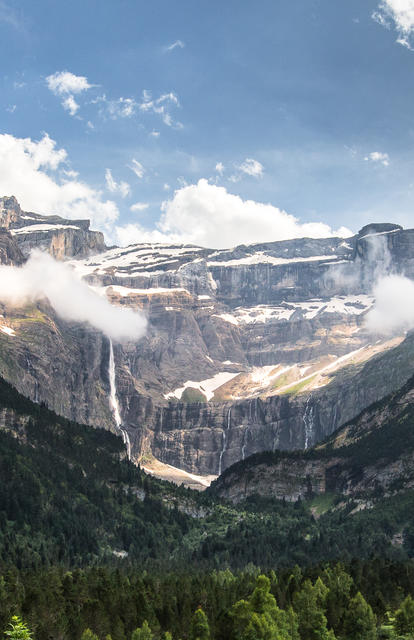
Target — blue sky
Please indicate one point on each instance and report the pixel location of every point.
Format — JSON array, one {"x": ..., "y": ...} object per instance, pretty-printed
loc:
[{"x": 174, "y": 108}]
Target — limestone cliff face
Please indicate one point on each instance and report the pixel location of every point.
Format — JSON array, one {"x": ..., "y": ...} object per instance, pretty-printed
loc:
[
  {"x": 10, "y": 253},
  {"x": 60, "y": 237},
  {"x": 268, "y": 339},
  {"x": 370, "y": 455}
]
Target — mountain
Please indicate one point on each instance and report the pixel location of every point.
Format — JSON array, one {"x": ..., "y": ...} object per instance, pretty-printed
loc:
[
  {"x": 255, "y": 348},
  {"x": 368, "y": 458},
  {"x": 61, "y": 238},
  {"x": 70, "y": 498}
]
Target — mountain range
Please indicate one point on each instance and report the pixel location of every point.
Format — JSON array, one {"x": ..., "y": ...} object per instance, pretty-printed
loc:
[{"x": 253, "y": 349}]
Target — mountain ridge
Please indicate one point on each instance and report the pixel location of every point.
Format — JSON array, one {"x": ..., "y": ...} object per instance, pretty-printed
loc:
[{"x": 212, "y": 381}]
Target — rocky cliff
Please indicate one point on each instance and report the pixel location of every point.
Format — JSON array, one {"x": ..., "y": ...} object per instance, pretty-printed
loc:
[
  {"x": 60, "y": 237},
  {"x": 368, "y": 457},
  {"x": 253, "y": 348}
]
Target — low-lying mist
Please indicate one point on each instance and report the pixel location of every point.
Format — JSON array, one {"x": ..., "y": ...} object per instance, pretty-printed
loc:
[
  {"x": 72, "y": 299},
  {"x": 394, "y": 305}
]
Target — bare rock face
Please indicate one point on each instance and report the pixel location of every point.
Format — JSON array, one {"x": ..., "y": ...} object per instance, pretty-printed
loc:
[
  {"x": 10, "y": 253},
  {"x": 59, "y": 237},
  {"x": 260, "y": 347},
  {"x": 369, "y": 456}
]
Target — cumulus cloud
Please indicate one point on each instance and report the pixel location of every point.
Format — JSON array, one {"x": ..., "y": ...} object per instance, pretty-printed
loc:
[
  {"x": 378, "y": 157},
  {"x": 43, "y": 277},
  {"x": 220, "y": 168},
  {"x": 401, "y": 14},
  {"x": 28, "y": 170},
  {"x": 394, "y": 306},
  {"x": 177, "y": 44},
  {"x": 139, "y": 206},
  {"x": 65, "y": 85},
  {"x": 121, "y": 187},
  {"x": 208, "y": 215},
  {"x": 137, "y": 168}
]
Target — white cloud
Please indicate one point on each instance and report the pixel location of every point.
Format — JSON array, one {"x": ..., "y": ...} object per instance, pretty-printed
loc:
[
  {"x": 27, "y": 171},
  {"x": 70, "y": 104},
  {"x": 137, "y": 168},
  {"x": 166, "y": 186},
  {"x": 139, "y": 206},
  {"x": 66, "y": 85},
  {"x": 155, "y": 134},
  {"x": 208, "y": 215},
  {"x": 161, "y": 106},
  {"x": 122, "y": 188},
  {"x": 401, "y": 13},
  {"x": 120, "y": 108},
  {"x": 178, "y": 43},
  {"x": 252, "y": 168},
  {"x": 72, "y": 299},
  {"x": 377, "y": 156},
  {"x": 393, "y": 311},
  {"x": 220, "y": 168}
]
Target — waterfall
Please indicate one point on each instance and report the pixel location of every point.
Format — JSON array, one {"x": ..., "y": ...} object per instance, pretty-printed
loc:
[
  {"x": 308, "y": 418},
  {"x": 224, "y": 441},
  {"x": 113, "y": 400},
  {"x": 243, "y": 451}
]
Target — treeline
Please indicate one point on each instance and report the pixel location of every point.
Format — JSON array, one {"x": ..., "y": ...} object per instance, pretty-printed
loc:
[{"x": 362, "y": 601}]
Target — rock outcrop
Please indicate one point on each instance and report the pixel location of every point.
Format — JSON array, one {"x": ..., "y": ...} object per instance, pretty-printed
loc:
[{"x": 60, "y": 237}]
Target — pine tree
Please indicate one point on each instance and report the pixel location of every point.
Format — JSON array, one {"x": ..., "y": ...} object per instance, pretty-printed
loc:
[
  {"x": 404, "y": 617},
  {"x": 89, "y": 635},
  {"x": 311, "y": 617},
  {"x": 200, "y": 629},
  {"x": 142, "y": 633},
  {"x": 18, "y": 630},
  {"x": 360, "y": 621},
  {"x": 259, "y": 618}
]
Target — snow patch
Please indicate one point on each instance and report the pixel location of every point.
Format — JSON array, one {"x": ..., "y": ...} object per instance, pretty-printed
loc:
[{"x": 207, "y": 387}]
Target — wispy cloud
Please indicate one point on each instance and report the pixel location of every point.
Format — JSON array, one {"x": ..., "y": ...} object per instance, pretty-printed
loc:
[
  {"x": 137, "y": 168},
  {"x": 121, "y": 187},
  {"x": 401, "y": 14},
  {"x": 9, "y": 16},
  {"x": 252, "y": 168},
  {"x": 139, "y": 206},
  {"x": 178, "y": 44},
  {"x": 161, "y": 106},
  {"x": 249, "y": 167},
  {"x": 65, "y": 85},
  {"x": 378, "y": 157}
]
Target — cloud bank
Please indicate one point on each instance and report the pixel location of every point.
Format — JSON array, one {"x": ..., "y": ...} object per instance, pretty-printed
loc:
[
  {"x": 208, "y": 215},
  {"x": 73, "y": 300},
  {"x": 36, "y": 173},
  {"x": 394, "y": 306}
]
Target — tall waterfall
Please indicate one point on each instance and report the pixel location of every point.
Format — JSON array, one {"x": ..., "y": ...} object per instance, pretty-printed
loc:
[
  {"x": 113, "y": 400},
  {"x": 224, "y": 443},
  {"x": 308, "y": 419}
]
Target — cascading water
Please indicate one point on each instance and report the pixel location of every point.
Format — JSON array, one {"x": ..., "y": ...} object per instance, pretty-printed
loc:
[
  {"x": 224, "y": 443},
  {"x": 113, "y": 400},
  {"x": 243, "y": 451},
  {"x": 308, "y": 419}
]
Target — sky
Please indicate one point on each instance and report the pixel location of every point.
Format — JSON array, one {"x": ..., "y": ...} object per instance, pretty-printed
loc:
[{"x": 217, "y": 123}]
